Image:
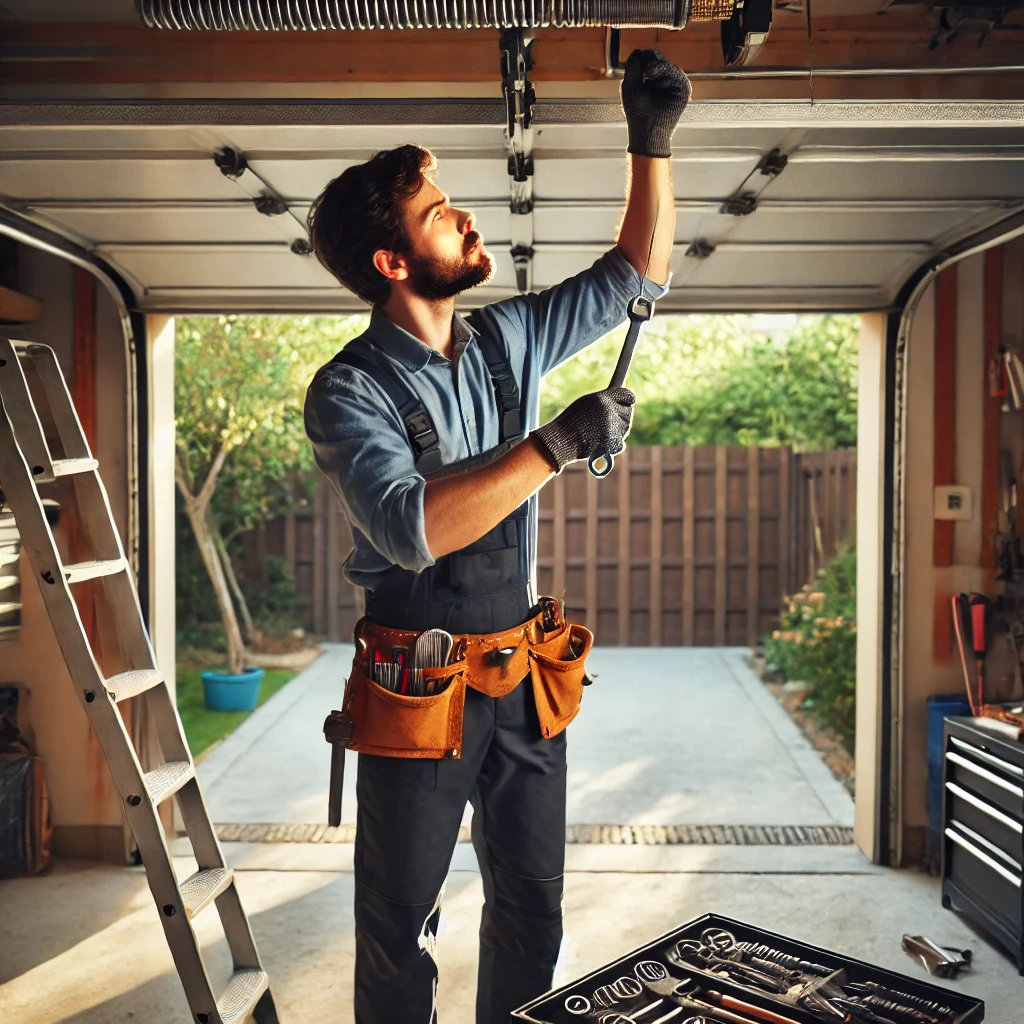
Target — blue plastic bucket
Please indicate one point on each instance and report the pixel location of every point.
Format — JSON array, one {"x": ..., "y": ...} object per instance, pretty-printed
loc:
[
  {"x": 940, "y": 708},
  {"x": 225, "y": 692}
]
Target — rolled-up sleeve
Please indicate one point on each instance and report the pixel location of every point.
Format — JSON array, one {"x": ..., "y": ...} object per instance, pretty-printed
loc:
[
  {"x": 359, "y": 443},
  {"x": 561, "y": 321}
]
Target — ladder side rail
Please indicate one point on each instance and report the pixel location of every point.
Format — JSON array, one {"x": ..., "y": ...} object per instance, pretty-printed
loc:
[
  {"x": 17, "y": 399},
  {"x": 62, "y": 407},
  {"x": 129, "y": 778},
  {"x": 120, "y": 590}
]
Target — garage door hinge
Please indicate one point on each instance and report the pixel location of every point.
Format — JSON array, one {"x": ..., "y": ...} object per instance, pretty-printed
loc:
[{"x": 233, "y": 165}]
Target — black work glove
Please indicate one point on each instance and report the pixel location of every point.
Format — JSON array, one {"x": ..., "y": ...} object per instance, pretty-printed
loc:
[
  {"x": 595, "y": 424},
  {"x": 654, "y": 95}
]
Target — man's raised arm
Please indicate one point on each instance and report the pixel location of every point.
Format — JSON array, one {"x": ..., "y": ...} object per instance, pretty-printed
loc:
[{"x": 654, "y": 94}]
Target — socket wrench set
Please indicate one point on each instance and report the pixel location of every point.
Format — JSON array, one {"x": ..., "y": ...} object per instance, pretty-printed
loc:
[{"x": 718, "y": 971}]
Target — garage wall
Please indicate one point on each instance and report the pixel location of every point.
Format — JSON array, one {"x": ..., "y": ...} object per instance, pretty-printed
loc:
[
  {"x": 976, "y": 299},
  {"x": 87, "y": 814}
]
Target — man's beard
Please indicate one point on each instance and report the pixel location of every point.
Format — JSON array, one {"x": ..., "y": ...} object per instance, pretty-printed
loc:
[{"x": 442, "y": 278}]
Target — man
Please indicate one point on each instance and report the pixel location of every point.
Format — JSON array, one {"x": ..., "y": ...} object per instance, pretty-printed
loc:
[{"x": 424, "y": 388}]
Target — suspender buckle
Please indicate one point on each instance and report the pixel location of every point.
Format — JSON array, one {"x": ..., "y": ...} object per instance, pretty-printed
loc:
[{"x": 421, "y": 430}]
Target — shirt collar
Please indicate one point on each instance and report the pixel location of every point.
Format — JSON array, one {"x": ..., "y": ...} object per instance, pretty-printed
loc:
[{"x": 407, "y": 349}]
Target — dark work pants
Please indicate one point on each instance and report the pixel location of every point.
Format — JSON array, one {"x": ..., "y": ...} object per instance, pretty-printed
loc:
[{"x": 407, "y": 827}]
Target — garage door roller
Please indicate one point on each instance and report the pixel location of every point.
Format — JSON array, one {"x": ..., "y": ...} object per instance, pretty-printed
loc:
[{"x": 745, "y": 23}]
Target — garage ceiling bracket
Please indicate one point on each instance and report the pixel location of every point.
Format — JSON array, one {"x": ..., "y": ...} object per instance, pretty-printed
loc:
[
  {"x": 519, "y": 97},
  {"x": 233, "y": 165},
  {"x": 743, "y": 201}
]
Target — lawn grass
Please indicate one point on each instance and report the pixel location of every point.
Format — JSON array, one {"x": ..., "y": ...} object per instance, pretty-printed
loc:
[{"x": 204, "y": 727}]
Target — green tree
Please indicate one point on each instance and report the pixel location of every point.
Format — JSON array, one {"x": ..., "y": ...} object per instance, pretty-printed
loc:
[
  {"x": 240, "y": 449},
  {"x": 716, "y": 380}
]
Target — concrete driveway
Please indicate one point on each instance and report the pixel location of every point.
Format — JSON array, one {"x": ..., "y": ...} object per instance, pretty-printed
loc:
[
  {"x": 667, "y": 736},
  {"x": 677, "y": 753}
]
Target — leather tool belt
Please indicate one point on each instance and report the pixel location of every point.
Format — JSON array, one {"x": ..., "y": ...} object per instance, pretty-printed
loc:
[{"x": 375, "y": 720}]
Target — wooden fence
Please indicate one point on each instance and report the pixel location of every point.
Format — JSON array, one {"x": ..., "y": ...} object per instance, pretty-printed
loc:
[{"x": 678, "y": 546}]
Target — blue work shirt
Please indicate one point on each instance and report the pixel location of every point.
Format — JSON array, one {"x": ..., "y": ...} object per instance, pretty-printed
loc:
[{"x": 360, "y": 441}]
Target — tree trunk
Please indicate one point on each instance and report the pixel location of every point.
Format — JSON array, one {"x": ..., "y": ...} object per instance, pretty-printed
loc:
[
  {"x": 201, "y": 529},
  {"x": 232, "y": 579}
]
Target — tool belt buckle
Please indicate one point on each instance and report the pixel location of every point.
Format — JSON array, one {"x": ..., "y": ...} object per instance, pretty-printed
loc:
[{"x": 338, "y": 728}]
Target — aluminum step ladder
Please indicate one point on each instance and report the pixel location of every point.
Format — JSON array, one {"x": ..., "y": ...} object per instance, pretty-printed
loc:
[{"x": 26, "y": 461}]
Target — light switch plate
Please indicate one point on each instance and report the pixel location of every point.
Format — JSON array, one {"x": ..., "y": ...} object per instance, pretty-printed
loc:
[{"x": 953, "y": 502}]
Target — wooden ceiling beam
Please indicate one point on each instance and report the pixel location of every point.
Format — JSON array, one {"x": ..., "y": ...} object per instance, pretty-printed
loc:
[
  {"x": 17, "y": 308},
  {"x": 122, "y": 53}
]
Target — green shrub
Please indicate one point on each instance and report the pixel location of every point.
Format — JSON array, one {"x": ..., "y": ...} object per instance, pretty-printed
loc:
[
  {"x": 273, "y": 606},
  {"x": 816, "y": 643}
]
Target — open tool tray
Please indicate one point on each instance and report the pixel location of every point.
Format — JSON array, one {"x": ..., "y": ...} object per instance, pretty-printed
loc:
[{"x": 581, "y": 1002}]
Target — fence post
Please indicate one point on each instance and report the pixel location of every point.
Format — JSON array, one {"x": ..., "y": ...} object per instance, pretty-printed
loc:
[
  {"x": 753, "y": 544},
  {"x": 656, "y": 547},
  {"x": 319, "y": 558},
  {"x": 622, "y": 464},
  {"x": 785, "y": 531},
  {"x": 688, "y": 528},
  {"x": 333, "y": 575},
  {"x": 289, "y": 541},
  {"x": 721, "y": 537}
]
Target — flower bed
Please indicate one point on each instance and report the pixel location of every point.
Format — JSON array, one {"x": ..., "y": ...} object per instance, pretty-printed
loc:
[{"x": 816, "y": 644}]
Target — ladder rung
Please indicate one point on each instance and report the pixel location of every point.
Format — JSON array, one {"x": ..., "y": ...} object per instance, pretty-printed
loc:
[
  {"x": 79, "y": 572},
  {"x": 68, "y": 467},
  {"x": 241, "y": 996},
  {"x": 198, "y": 891},
  {"x": 9, "y": 606},
  {"x": 131, "y": 684},
  {"x": 9, "y": 581},
  {"x": 29, "y": 348},
  {"x": 168, "y": 779}
]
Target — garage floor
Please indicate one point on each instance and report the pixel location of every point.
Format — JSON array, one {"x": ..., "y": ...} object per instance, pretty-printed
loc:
[{"x": 84, "y": 943}]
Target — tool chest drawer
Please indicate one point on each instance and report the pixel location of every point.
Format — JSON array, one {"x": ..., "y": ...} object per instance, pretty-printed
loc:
[
  {"x": 987, "y": 775},
  {"x": 714, "y": 968},
  {"x": 993, "y": 825},
  {"x": 983, "y": 830}
]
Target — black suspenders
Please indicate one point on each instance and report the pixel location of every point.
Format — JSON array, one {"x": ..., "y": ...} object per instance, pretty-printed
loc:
[{"x": 426, "y": 445}]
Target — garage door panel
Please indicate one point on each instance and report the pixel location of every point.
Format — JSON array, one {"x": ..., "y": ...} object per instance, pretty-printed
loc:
[
  {"x": 192, "y": 224},
  {"x": 599, "y": 224},
  {"x": 771, "y": 268},
  {"x": 897, "y": 179},
  {"x": 859, "y": 225},
  {"x": 115, "y": 179},
  {"x": 257, "y": 267},
  {"x": 461, "y": 179},
  {"x": 593, "y": 178}
]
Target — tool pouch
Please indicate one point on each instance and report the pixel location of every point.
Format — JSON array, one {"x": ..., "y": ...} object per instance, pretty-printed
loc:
[
  {"x": 397, "y": 725},
  {"x": 558, "y": 674}
]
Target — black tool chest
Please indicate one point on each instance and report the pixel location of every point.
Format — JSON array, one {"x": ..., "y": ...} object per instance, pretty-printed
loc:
[
  {"x": 983, "y": 830},
  {"x": 660, "y": 982}
]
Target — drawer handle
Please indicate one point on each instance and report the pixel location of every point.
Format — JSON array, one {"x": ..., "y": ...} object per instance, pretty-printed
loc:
[
  {"x": 984, "y": 755},
  {"x": 984, "y": 773},
  {"x": 983, "y": 857},
  {"x": 1003, "y": 819},
  {"x": 987, "y": 844}
]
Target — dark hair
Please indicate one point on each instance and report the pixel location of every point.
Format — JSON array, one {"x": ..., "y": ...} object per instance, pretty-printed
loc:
[{"x": 360, "y": 212}]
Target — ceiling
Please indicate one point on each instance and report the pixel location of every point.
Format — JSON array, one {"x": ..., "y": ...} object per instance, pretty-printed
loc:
[{"x": 868, "y": 193}]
